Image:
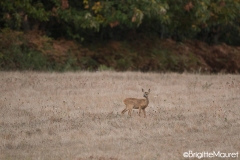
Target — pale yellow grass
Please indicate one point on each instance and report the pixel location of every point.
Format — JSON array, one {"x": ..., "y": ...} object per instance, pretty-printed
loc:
[{"x": 78, "y": 115}]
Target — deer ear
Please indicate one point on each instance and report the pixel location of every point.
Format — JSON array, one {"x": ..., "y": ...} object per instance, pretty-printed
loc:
[
  {"x": 142, "y": 90},
  {"x": 149, "y": 90}
]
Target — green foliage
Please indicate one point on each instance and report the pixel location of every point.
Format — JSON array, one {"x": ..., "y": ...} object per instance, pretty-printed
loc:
[
  {"x": 166, "y": 60},
  {"x": 103, "y": 67},
  {"x": 88, "y": 63},
  {"x": 86, "y": 19},
  {"x": 124, "y": 64},
  {"x": 21, "y": 58},
  {"x": 15, "y": 54},
  {"x": 28, "y": 52},
  {"x": 69, "y": 65},
  {"x": 16, "y": 12},
  {"x": 210, "y": 18},
  {"x": 131, "y": 12}
]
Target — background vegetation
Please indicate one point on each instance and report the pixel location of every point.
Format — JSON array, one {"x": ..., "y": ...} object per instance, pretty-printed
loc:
[{"x": 120, "y": 35}]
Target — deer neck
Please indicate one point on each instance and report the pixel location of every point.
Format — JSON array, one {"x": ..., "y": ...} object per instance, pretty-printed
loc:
[{"x": 147, "y": 101}]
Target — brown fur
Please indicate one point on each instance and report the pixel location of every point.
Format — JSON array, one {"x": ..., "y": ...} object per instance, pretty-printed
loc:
[{"x": 134, "y": 103}]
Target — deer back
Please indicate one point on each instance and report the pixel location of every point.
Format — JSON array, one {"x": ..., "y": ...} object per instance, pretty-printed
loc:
[{"x": 136, "y": 103}]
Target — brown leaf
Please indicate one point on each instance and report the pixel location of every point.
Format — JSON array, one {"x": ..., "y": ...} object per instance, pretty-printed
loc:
[
  {"x": 188, "y": 6},
  {"x": 65, "y": 4},
  {"x": 134, "y": 18},
  {"x": 114, "y": 24}
]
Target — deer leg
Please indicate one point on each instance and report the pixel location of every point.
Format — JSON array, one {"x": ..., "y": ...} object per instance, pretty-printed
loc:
[
  {"x": 130, "y": 112},
  {"x": 144, "y": 113},
  {"x": 125, "y": 110},
  {"x": 139, "y": 112}
]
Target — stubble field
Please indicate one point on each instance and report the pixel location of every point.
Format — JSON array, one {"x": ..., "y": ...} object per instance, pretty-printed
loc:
[{"x": 78, "y": 115}]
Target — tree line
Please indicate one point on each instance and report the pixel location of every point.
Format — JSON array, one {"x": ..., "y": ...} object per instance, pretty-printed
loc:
[{"x": 212, "y": 21}]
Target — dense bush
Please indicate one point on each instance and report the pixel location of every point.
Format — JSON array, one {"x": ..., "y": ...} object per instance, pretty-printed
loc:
[{"x": 20, "y": 51}]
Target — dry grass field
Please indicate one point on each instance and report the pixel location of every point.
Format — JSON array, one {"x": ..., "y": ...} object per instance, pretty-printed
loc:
[{"x": 77, "y": 116}]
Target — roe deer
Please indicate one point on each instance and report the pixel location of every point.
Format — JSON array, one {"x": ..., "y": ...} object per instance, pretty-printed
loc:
[{"x": 134, "y": 103}]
